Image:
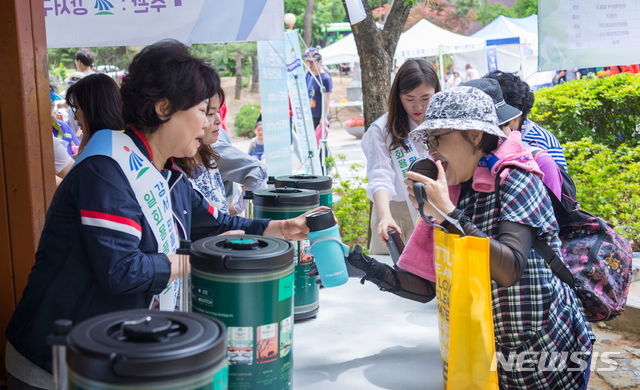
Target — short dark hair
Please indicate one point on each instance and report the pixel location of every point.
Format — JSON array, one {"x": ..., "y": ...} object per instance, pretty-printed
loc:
[
  {"x": 488, "y": 142},
  {"x": 516, "y": 91},
  {"x": 165, "y": 70},
  {"x": 410, "y": 76},
  {"x": 98, "y": 96},
  {"x": 85, "y": 56}
]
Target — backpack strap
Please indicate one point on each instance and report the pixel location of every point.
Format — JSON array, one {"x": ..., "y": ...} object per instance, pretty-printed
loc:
[
  {"x": 554, "y": 262},
  {"x": 542, "y": 247}
]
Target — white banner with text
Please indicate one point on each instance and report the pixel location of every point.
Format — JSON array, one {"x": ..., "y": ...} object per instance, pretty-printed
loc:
[{"x": 86, "y": 23}]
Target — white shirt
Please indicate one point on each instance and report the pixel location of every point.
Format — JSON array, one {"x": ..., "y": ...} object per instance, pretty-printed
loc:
[
  {"x": 60, "y": 155},
  {"x": 380, "y": 169},
  {"x": 472, "y": 74}
]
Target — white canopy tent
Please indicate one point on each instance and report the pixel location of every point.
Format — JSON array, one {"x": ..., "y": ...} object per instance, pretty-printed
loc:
[
  {"x": 516, "y": 47},
  {"x": 343, "y": 50},
  {"x": 424, "y": 39}
]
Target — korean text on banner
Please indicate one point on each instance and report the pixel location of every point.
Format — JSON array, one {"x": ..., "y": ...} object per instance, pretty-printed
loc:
[
  {"x": 586, "y": 34},
  {"x": 299, "y": 95},
  {"x": 274, "y": 99},
  {"x": 465, "y": 320},
  {"x": 143, "y": 22}
]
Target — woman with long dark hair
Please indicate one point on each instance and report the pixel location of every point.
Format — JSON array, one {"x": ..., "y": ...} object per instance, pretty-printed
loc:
[
  {"x": 389, "y": 152},
  {"x": 202, "y": 169}
]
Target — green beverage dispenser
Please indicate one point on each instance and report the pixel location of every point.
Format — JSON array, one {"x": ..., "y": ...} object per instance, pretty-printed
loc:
[
  {"x": 285, "y": 203},
  {"x": 322, "y": 184},
  {"x": 247, "y": 282},
  {"x": 147, "y": 349}
]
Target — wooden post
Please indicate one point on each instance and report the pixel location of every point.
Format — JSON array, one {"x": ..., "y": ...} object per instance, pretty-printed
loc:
[{"x": 26, "y": 149}]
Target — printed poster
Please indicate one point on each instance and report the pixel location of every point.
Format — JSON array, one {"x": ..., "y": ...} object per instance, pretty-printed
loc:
[{"x": 576, "y": 34}]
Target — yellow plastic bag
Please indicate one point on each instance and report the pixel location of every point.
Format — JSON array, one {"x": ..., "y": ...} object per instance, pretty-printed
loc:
[{"x": 465, "y": 320}]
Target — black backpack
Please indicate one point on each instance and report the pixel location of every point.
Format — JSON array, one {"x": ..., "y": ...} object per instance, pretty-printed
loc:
[{"x": 597, "y": 261}]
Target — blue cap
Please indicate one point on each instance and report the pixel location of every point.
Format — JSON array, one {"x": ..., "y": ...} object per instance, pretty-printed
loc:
[{"x": 54, "y": 96}]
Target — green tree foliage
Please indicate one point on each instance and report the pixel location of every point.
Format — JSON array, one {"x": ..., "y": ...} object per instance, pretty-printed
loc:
[
  {"x": 489, "y": 12},
  {"x": 352, "y": 209},
  {"x": 245, "y": 120},
  {"x": 521, "y": 9},
  {"x": 525, "y": 8},
  {"x": 455, "y": 17},
  {"x": 222, "y": 56},
  {"x": 119, "y": 56},
  {"x": 605, "y": 109},
  {"x": 325, "y": 12},
  {"x": 464, "y": 6},
  {"x": 608, "y": 183}
]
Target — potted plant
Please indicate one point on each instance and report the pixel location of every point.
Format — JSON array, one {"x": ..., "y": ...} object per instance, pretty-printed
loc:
[{"x": 355, "y": 126}]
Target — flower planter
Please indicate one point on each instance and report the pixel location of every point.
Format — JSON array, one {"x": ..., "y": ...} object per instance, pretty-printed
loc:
[{"x": 356, "y": 131}]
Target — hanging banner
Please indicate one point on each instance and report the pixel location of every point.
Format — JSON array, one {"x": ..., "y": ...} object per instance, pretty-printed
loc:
[
  {"x": 76, "y": 23},
  {"x": 274, "y": 100},
  {"x": 492, "y": 58},
  {"x": 299, "y": 96},
  {"x": 585, "y": 33}
]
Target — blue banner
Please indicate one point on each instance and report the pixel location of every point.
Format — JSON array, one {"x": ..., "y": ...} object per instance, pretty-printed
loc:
[
  {"x": 492, "y": 58},
  {"x": 274, "y": 99}
]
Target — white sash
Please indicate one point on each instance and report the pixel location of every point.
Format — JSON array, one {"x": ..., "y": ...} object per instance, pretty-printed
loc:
[
  {"x": 151, "y": 191},
  {"x": 401, "y": 161}
]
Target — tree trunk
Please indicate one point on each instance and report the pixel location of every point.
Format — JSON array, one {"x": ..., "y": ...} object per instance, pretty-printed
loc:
[
  {"x": 308, "y": 30},
  {"x": 255, "y": 77},
  {"x": 376, "y": 49},
  {"x": 238, "y": 74}
]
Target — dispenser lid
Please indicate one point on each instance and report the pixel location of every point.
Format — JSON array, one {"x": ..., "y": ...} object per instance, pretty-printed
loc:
[
  {"x": 310, "y": 182},
  {"x": 137, "y": 346},
  {"x": 238, "y": 254},
  {"x": 283, "y": 197}
]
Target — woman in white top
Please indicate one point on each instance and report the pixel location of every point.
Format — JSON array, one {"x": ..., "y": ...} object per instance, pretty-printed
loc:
[
  {"x": 202, "y": 169},
  {"x": 63, "y": 162},
  {"x": 389, "y": 152}
]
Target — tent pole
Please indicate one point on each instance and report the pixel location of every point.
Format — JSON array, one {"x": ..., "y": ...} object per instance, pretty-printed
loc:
[
  {"x": 442, "y": 84},
  {"x": 522, "y": 76}
]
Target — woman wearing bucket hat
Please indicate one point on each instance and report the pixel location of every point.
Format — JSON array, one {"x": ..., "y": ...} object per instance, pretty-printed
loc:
[
  {"x": 389, "y": 152},
  {"x": 418, "y": 255},
  {"x": 533, "y": 311}
]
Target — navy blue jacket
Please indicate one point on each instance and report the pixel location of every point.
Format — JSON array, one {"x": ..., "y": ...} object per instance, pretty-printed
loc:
[{"x": 84, "y": 270}]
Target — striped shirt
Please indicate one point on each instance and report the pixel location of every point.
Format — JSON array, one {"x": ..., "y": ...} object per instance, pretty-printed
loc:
[{"x": 535, "y": 135}]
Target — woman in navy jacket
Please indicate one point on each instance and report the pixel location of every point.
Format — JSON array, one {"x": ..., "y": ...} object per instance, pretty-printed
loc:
[{"x": 99, "y": 252}]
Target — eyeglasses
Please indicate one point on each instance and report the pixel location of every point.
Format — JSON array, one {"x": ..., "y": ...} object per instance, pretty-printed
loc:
[{"x": 432, "y": 140}]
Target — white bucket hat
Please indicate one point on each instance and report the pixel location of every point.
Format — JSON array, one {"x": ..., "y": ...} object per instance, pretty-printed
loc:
[{"x": 459, "y": 108}]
